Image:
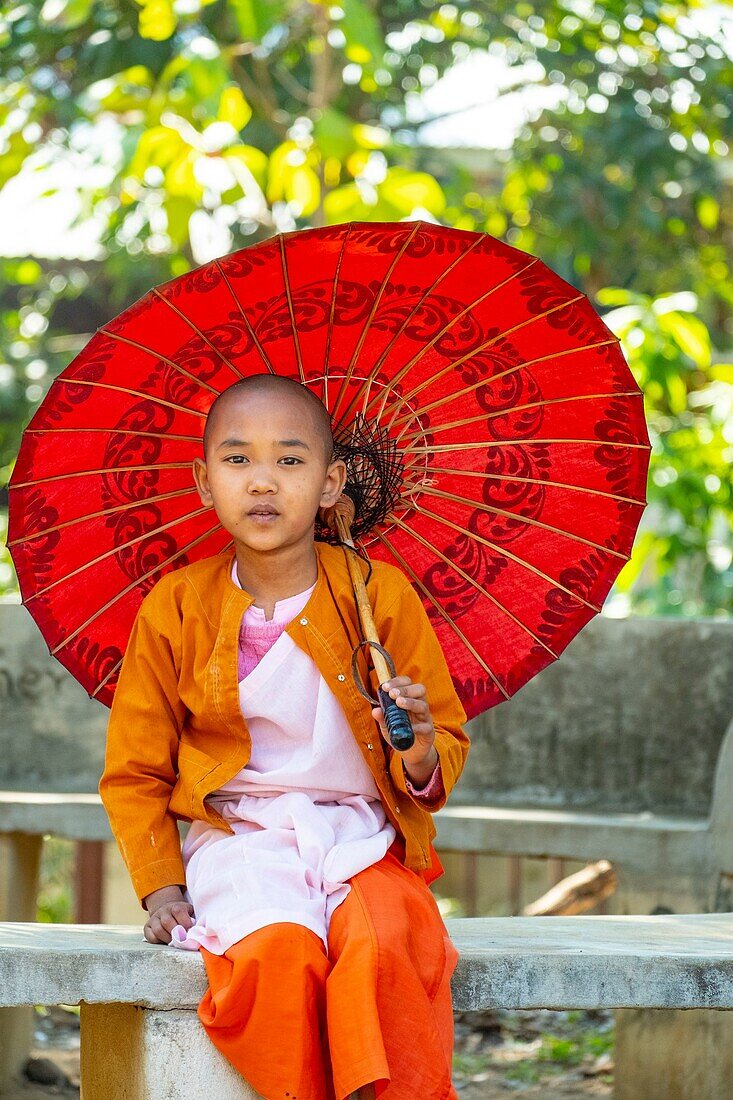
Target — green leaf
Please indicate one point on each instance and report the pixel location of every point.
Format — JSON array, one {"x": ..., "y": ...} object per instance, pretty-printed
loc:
[
  {"x": 615, "y": 296},
  {"x": 158, "y": 146},
  {"x": 334, "y": 134},
  {"x": 364, "y": 41},
  {"x": 65, "y": 14},
  {"x": 405, "y": 190},
  {"x": 690, "y": 334},
  {"x": 347, "y": 204},
  {"x": 722, "y": 372},
  {"x": 304, "y": 189},
  {"x": 256, "y": 17},
  {"x": 125, "y": 91},
  {"x": 13, "y": 156},
  {"x": 157, "y": 19},
  {"x": 178, "y": 211},
  {"x": 708, "y": 211},
  {"x": 180, "y": 179},
  {"x": 234, "y": 108}
]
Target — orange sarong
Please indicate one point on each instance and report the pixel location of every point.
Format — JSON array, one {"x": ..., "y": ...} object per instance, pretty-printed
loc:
[{"x": 302, "y": 1025}]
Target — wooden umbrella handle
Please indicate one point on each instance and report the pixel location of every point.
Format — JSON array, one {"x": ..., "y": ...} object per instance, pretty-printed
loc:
[{"x": 399, "y": 727}]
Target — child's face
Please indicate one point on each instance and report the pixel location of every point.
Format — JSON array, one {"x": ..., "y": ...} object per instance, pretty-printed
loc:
[{"x": 290, "y": 479}]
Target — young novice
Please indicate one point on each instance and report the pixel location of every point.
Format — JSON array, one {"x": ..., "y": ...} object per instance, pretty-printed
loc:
[{"x": 303, "y": 879}]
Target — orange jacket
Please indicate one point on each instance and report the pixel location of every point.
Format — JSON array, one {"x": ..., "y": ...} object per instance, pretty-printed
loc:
[{"x": 176, "y": 731}]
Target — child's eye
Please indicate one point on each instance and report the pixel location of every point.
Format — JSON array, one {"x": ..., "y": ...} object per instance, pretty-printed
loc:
[{"x": 291, "y": 458}]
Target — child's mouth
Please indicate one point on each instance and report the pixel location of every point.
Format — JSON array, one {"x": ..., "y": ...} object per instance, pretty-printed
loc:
[{"x": 263, "y": 517}]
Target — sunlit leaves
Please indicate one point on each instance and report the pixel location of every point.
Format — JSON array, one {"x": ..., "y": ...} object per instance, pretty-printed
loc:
[
  {"x": 689, "y": 407},
  {"x": 292, "y": 178},
  {"x": 398, "y": 195},
  {"x": 364, "y": 41},
  {"x": 157, "y": 19},
  {"x": 65, "y": 14},
  {"x": 234, "y": 108},
  {"x": 254, "y": 18}
]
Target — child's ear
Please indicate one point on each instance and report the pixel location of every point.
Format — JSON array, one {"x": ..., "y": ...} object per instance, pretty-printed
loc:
[
  {"x": 202, "y": 481},
  {"x": 334, "y": 483}
]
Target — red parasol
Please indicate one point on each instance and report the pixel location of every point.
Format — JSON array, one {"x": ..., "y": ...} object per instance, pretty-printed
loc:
[{"x": 513, "y": 432}]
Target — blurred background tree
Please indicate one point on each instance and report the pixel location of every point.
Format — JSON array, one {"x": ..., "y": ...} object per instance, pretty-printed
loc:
[{"x": 190, "y": 128}]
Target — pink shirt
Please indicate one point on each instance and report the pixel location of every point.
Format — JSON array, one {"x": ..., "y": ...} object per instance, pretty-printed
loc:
[
  {"x": 305, "y": 811},
  {"x": 257, "y": 634}
]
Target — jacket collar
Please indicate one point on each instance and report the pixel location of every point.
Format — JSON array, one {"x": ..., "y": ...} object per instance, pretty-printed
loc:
[{"x": 246, "y": 598}]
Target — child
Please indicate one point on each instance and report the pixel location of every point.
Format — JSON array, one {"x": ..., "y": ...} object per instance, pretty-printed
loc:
[{"x": 303, "y": 879}]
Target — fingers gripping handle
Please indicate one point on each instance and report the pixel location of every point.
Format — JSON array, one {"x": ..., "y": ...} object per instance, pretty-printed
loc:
[
  {"x": 399, "y": 727},
  {"x": 398, "y": 722}
]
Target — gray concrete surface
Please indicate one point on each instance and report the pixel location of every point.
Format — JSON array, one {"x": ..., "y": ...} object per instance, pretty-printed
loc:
[{"x": 664, "y": 961}]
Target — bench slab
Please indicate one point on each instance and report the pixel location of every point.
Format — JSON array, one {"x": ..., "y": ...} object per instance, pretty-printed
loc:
[{"x": 660, "y": 961}]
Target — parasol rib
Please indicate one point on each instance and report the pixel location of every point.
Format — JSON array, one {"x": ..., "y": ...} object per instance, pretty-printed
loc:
[
  {"x": 385, "y": 352},
  {"x": 115, "y": 431},
  {"x": 482, "y": 347},
  {"x": 293, "y": 326},
  {"x": 507, "y": 554},
  {"x": 350, "y": 369},
  {"x": 522, "y": 443},
  {"x": 528, "y": 480},
  {"x": 435, "y": 429},
  {"x": 327, "y": 353},
  {"x": 197, "y": 330},
  {"x": 474, "y": 583},
  {"x": 43, "y": 531},
  {"x": 488, "y": 379},
  {"x": 115, "y": 550},
  {"x": 411, "y": 572},
  {"x": 135, "y": 584},
  {"x": 157, "y": 355},
  {"x": 432, "y": 492},
  {"x": 103, "y": 470},
  {"x": 471, "y": 306},
  {"x": 245, "y": 318},
  {"x": 125, "y": 389},
  {"x": 375, "y": 369}
]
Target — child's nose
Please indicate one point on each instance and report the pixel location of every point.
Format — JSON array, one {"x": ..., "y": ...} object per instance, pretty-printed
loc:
[{"x": 262, "y": 479}]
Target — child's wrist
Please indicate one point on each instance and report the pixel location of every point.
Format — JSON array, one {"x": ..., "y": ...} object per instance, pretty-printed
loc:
[
  {"x": 157, "y": 898},
  {"x": 419, "y": 774}
]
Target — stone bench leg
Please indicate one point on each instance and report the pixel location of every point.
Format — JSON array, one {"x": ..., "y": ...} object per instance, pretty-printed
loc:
[
  {"x": 20, "y": 861},
  {"x": 133, "y": 1053},
  {"x": 673, "y": 1054}
]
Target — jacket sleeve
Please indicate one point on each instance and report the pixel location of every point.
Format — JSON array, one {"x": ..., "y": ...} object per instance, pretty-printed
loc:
[
  {"x": 407, "y": 634},
  {"x": 141, "y": 755}
]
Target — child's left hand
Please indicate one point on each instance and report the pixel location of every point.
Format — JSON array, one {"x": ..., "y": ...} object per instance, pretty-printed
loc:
[{"x": 412, "y": 698}]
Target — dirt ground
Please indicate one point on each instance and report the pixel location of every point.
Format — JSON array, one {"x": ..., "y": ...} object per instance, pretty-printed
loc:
[{"x": 566, "y": 1055}]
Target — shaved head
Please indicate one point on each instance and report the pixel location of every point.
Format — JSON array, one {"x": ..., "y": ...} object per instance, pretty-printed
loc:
[{"x": 280, "y": 389}]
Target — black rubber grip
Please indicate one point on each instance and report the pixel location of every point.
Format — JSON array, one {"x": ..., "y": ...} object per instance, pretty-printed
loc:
[{"x": 399, "y": 727}]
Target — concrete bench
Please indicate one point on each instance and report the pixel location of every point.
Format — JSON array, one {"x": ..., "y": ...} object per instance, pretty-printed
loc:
[
  {"x": 622, "y": 750},
  {"x": 141, "y": 1037}
]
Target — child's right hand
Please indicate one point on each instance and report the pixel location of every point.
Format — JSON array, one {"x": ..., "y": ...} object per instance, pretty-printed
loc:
[{"x": 166, "y": 909}]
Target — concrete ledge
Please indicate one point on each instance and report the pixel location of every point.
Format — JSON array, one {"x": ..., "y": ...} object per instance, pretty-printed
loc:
[
  {"x": 665, "y": 961},
  {"x": 644, "y": 842},
  {"x": 74, "y": 816}
]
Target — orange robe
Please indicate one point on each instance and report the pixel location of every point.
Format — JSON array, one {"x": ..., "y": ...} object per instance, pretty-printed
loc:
[{"x": 300, "y": 1024}]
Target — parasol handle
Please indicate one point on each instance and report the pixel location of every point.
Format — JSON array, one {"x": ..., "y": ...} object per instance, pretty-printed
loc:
[{"x": 399, "y": 727}]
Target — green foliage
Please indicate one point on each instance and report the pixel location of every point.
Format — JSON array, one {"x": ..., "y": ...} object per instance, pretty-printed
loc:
[
  {"x": 55, "y": 894},
  {"x": 242, "y": 118}
]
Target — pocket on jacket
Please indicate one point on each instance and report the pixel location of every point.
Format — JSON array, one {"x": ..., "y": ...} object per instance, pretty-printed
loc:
[{"x": 196, "y": 757}]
